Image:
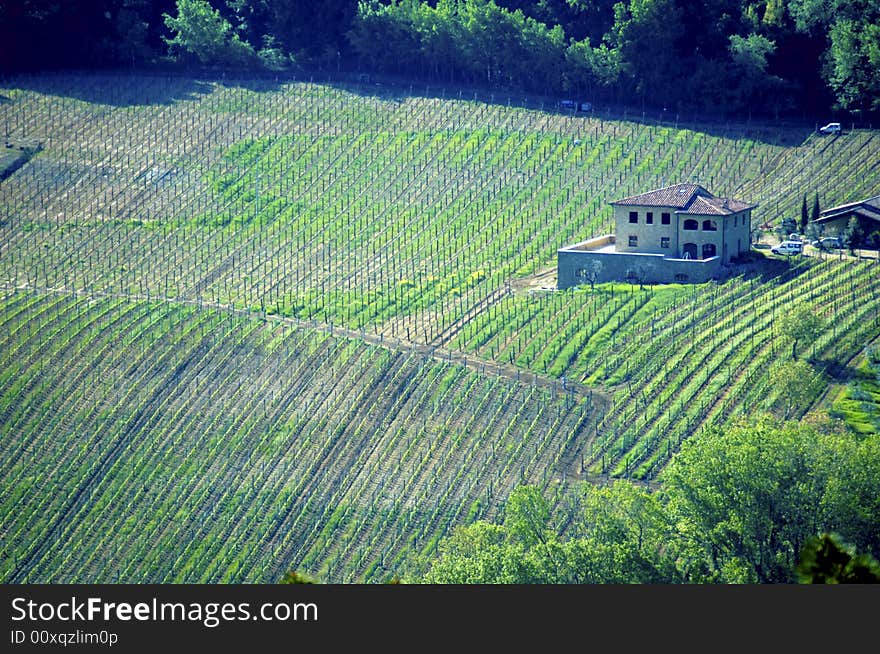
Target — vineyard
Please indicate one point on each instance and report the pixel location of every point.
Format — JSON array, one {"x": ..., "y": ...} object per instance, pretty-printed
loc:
[
  {"x": 254, "y": 326},
  {"x": 206, "y": 445}
]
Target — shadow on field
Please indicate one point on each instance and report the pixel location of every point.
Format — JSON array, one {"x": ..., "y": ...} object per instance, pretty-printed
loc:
[
  {"x": 139, "y": 88},
  {"x": 767, "y": 268},
  {"x": 119, "y": 89},
  {"x": 165, "y": 86},
  {"x": 390, "y": 88},
  {"x": 839, "y": 372}
]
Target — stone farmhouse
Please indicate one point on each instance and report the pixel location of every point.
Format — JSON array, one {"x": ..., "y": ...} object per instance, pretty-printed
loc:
[{"x": 679, "y": 233}]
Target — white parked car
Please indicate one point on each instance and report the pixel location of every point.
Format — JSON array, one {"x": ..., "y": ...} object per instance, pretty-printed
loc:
[
  {"x": 788, "y": 248},
  {"x": 831, "y": 128}
]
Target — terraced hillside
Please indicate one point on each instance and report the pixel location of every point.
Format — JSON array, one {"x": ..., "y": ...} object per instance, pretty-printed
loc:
[{"x": 254, "y": 326}]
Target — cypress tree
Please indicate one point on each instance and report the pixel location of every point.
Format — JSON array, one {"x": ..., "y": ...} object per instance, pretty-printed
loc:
[{"x": 804, "y": 215}]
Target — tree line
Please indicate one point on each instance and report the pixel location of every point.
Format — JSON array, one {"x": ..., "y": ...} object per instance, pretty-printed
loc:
[
  {"x": 760, "y": 502},
  {"x": 726, "y": 57}
]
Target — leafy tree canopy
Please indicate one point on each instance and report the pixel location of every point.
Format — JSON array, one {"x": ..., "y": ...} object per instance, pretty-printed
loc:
[
  {"x": 722, "y": 56},
  {"x": 827, "y": 560},
  {"x": 735, "y": 505},
  {"x": 800, "y": 326},
  {"x": 201, "y": 30}
]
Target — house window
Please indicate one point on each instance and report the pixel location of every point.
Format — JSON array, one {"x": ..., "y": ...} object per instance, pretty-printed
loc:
[
  {"x": 709, "y": 226},
  {"x": 681, "y": 277},
  {"x": 708, "y": 250},
  {"x": 734, "y": 220},
  {"x": 665, "y": 218},
  {"x": 691, "y": 225},
  {"x": 664, "y": 241},
  {"x": 634, "y": 216},
  {"x": 649, "y": 217},
  {"x": 633, "y": 241}
]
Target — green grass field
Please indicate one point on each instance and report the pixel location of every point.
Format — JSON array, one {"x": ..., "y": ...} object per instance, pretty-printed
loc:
[
  {"x": 859, "y": 402},
  {"x": 254, "y": 327}
]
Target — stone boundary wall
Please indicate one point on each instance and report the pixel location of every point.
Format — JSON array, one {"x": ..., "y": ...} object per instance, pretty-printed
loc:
[{"x": 593, "y": 261}]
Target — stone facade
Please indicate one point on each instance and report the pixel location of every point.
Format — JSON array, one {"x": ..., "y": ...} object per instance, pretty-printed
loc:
[{"x": 680, "y": 233}]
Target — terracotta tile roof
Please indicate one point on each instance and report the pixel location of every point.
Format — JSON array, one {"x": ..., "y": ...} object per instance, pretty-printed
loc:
[
  {"x": 703, "y": 206},
  {"x": 687, "y": 198},
  {"x": 678, "y": 196}
]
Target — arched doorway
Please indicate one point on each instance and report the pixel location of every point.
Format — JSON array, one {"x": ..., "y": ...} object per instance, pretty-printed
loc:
[
  {"x": 689, "y": 251},
  {"x": 708, "y": 250}
]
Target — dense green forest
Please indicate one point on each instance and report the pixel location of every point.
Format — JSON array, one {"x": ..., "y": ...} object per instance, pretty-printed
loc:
[{"x": 800, "y": 58}]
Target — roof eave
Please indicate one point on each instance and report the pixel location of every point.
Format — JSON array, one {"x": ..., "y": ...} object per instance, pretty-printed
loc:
[{"x": 730, "y": 212}]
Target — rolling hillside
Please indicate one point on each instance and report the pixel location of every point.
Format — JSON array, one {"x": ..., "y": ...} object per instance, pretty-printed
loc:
[{"x": 249, "y": 327}]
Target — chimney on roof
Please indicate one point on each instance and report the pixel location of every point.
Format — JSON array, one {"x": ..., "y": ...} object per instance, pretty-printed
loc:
[{"x": 725, "y": 204}]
